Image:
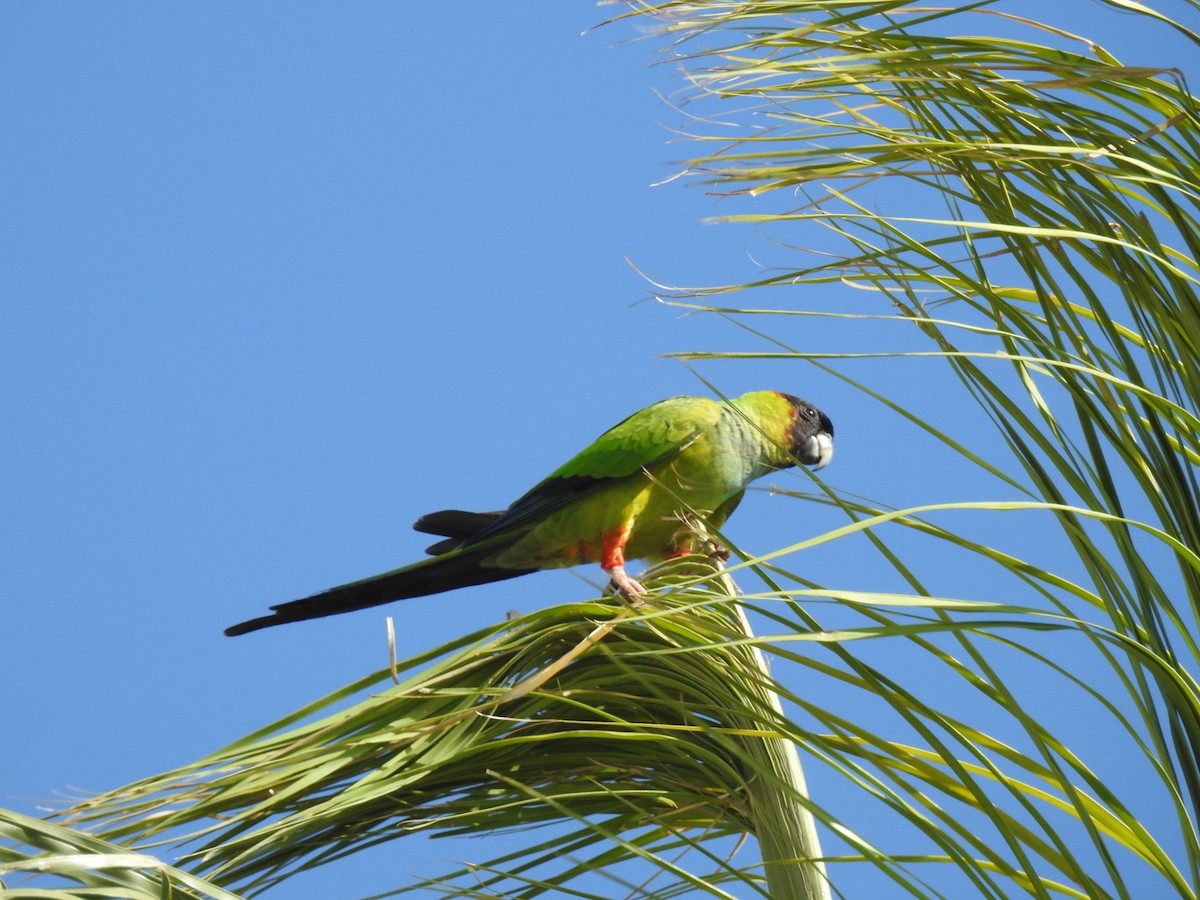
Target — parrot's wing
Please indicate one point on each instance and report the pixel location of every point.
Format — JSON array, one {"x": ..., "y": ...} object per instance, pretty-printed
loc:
[{"x": 652, "y": 435}]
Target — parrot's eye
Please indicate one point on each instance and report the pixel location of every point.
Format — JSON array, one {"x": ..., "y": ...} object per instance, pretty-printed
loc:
[{"x": 809, "y": 412}]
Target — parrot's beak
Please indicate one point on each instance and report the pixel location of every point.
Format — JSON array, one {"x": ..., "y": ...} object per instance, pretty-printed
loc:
[{"x": 817, "y": 451}]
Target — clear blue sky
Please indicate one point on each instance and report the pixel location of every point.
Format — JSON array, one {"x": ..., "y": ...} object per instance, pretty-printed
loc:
[{"x": 278, "y": 278}]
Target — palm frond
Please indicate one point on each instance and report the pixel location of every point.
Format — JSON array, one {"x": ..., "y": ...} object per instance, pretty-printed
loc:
[
  {"x": 1029, "y": 206},
  {"x": 44, "y": 861},
  {"x": 654, "y": 731}
]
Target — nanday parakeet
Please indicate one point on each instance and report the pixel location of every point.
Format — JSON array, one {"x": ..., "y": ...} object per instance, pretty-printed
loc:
[{"x": 624, "y": 497}]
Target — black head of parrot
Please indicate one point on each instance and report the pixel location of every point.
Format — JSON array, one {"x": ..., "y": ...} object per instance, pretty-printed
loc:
[{"x": 810, "y": 437}]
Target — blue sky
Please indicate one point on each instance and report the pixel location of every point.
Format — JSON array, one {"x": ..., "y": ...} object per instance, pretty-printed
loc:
[{"x": 279, "y": 278}]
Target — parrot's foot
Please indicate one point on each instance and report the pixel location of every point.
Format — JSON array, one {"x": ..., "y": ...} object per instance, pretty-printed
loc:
[{"x": 631, "y": 588}]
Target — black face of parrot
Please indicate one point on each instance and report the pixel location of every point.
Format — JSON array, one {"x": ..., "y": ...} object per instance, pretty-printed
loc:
[{"x": 811, "y": 437}]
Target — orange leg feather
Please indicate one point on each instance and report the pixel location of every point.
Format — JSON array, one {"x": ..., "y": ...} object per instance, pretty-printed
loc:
[{"x": 612, "y": 561}]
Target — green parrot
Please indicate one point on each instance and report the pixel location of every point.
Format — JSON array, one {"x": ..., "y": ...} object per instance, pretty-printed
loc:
[{"x": 627, "y": 496}]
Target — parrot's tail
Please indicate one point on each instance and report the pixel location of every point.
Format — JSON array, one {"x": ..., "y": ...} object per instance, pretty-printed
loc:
[
  {"x": 430, "y": 576},
  {"x": 456, "y": 525}
]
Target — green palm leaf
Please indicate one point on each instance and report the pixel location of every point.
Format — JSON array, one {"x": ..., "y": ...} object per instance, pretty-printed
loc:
[
  {"x": 655, "y": 731},
  {"x": 1064, "y": 278},
  {"x": 82, "y": 867}
]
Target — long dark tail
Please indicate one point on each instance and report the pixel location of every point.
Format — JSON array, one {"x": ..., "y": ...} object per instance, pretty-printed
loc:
[
  {"x": 452, "y": 568},
  {"x": 456, "y": 525}
]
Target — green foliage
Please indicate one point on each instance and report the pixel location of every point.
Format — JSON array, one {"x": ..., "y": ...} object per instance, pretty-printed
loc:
[
  {"x": 83, "y": 867},
  {"x": 653, "y": 730},
  {"x": 1059, "y": 285}
]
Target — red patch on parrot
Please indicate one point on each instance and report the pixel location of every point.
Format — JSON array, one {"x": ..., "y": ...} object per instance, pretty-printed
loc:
[{"x": 612, "y": 547}]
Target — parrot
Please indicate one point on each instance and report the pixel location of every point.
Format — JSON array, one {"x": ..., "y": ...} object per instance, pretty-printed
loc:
[{"x": 629, "y": 495}]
